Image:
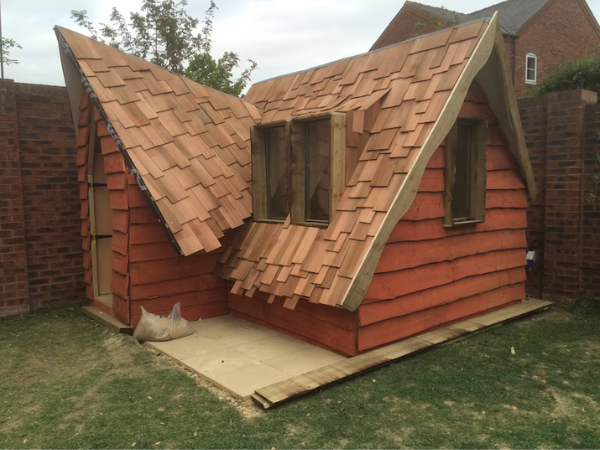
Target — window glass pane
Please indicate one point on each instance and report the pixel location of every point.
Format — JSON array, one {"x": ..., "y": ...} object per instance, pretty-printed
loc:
[
  {"x": 461, "y": 203},
  {"x": 318, "y": 137},
  {"x": 531, "y": 68},
  {"x": 277, "y": 167}
]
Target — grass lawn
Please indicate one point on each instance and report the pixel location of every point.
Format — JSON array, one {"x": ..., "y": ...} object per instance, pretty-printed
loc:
[{"x": 66, "y": 382}]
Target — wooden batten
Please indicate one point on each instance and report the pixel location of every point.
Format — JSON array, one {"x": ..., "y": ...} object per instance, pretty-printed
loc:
[{"x": 337, "y": 177}]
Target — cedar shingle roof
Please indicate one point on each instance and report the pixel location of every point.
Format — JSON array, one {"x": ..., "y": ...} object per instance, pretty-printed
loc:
[
  {"x": 403, "y": 100},
  {"x": 190, "y": 144}
]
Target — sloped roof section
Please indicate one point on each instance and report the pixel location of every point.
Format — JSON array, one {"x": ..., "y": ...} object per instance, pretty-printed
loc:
[
  {"x": 513, "y": 14},
  {"x": 416, "y": 89},
  {"x": 189, "y": 144}
]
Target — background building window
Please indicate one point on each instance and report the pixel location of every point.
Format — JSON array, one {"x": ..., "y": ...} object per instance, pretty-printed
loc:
[
  {"x": 465, "y": 172},
  {"x": 531, "y": 69}
]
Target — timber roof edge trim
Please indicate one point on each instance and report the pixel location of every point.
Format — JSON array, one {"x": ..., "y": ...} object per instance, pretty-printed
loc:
[
  {"x": 404, "y": 197},
  {"x": 188, "y": 145}
]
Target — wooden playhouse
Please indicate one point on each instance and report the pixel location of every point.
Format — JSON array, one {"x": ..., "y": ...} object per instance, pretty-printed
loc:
[{"x": 350, "y": 205}]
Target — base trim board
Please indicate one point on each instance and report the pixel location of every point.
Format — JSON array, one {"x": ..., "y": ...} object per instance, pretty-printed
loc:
[
  {"x": 106, "y": 320},
  {"x": 283, "y": 391}
]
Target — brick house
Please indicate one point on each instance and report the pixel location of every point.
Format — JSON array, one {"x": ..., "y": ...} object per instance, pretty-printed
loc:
[{"x": 537, "y": 33}]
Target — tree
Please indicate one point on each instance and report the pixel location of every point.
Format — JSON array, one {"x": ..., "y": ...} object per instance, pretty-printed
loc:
[
  {"x": 163, "y": 33},
  {"x": 582, "y": 73},
  {"x": 6, "y": 45}
]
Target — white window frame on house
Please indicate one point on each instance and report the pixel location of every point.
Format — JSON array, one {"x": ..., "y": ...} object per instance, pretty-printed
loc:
[{"x": 529, "y": 80}]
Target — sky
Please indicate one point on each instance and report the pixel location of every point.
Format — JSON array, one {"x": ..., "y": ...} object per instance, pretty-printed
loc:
[{"x": 282, "y": 36}]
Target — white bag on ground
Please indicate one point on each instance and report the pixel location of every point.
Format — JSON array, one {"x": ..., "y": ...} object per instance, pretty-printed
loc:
[{"x": 157, "y": 328}]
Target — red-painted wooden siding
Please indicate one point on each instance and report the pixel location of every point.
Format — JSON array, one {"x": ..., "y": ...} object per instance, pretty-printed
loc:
[
  {"x": 114, "y": 167},
  {"x": 146, "y": 270},
  {"x": 159, "y": 278},
  {"x": 429, "y": 275},
  {"x": 331, "y": 328}
]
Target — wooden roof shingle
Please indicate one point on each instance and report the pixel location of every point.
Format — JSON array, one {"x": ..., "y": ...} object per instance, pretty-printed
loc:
[
  {"x": 190, "y": 144},
  {"x": 420, "y": 85}
]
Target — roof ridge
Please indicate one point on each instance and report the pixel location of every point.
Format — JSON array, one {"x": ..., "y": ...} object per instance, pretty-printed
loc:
[
  {"x": 488, "y": 7},
  {"x": 460, "y": 25}
]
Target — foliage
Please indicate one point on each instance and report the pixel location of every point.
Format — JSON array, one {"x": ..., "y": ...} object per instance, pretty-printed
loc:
[
  {"x": 163, "y": 33},
  {"x": 6, "y": 45},
  {"x": 582, "y": 73}
]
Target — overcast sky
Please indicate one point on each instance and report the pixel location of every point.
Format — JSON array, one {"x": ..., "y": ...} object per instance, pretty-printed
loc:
[{"x": 282, "y": 36}]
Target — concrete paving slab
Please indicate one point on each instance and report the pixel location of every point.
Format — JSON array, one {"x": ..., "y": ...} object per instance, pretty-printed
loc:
[{"x": 241, "y": 356}]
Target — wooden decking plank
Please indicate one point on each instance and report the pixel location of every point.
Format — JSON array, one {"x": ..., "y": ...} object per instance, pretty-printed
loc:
[
  {"x": 106, "y": 320},
  {"x": 303, "y": 384}
]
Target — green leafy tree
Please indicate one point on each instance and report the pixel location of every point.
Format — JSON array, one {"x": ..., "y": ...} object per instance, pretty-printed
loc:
[
  {"x": 163, "y": 33},
  {"x": 582, "y": 73},
  {"x": 6, "y": 46}
]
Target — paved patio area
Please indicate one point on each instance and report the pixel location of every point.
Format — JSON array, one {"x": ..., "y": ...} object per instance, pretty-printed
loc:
[{"x": 241, "y": 356}]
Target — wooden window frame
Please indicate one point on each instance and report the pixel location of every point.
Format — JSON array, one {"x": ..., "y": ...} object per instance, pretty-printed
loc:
[
  {"x": 527, "y": 58},
  {"x": 106, "y": 298},
  {"x": 259, "y": 169},
  {"x": 296, "y": 147},
  {"x": 478, "y": 172},
  {"x": 337, "y": 166}
]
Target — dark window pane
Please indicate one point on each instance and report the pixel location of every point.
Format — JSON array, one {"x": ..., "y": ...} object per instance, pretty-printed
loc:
[
  {"x": 277, "y": 167},
  {"x": 318, "y": 137},
  {"x": 461, "y": 204}
]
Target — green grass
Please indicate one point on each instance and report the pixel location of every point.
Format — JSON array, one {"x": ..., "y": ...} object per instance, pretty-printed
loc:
[{"x": 66, "y": 382}]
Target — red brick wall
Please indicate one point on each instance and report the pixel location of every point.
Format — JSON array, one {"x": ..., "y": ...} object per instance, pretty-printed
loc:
[
  {"x": 50, "y": 195},
  {"x": 561, "y": 130},
  {"x": 40, "y": 248},
  {"x": 560, "y": 31},
  {"x": 14, "y": 292},
  {"x": 590, "y": 257},
  {"x": 402, "y": 27},
  {"x": 534, "y": 112}
]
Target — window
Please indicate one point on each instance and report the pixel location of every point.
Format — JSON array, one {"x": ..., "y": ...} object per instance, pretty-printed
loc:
[
  {"x": 277, "y": 163},
  {"x": 298, "y": 168},
  {"x": 531, "y": 69},
  {"x": 465, "y": 172}
]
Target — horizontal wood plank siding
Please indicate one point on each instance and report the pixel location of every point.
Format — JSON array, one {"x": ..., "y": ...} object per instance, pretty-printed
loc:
[
  {"x": 429, "y": 275},
  {"x": 327, "y": 327},
  {"x": 159, "y": 278}
]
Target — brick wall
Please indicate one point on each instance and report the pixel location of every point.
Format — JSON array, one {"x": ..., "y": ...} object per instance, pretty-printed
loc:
[
  {"x": 534, "y": 112},
  {"x": 561, "y": 130},
  {"x": 590, "y": 226},
  {"x": 41, "y": 254},
  {"x": 14, "y": 292}
]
